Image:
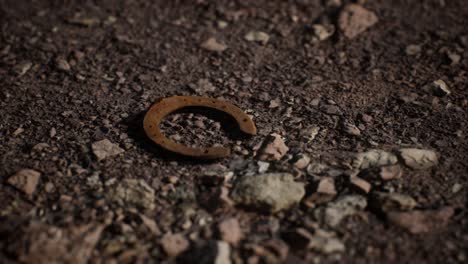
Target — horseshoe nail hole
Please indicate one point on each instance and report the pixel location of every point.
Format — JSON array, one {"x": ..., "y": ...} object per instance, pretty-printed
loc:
[
  {"x": 245, "y": 119},
  {"x": 206, "y": 151}
]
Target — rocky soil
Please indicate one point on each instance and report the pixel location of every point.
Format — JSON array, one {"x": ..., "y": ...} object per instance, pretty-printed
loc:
[{"x": 360, "y": 157}]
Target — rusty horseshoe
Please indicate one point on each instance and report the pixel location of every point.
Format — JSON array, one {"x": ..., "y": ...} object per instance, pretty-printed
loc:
[{"x": 168, "y": 105}]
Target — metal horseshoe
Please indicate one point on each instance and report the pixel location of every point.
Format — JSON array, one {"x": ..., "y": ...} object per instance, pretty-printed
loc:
[{"x": 168, "y": 105}]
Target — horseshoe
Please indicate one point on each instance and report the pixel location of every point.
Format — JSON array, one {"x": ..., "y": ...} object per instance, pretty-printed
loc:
[{"x": 168, "y": 105}]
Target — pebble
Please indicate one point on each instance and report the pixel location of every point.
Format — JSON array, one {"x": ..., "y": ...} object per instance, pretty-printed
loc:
[
  {"x": 352, "y": 130},
  {"x": 355, "y": 19},
  {"x": 25, "y": 180},
  {"x": 262, "y": 166},
  {"x": 269, "y": 192},
  {"x": 257, "y": 36},
  {"x": 331, "y": 109},
  {"x": 52, "y": 132},
  {"x": 387, "y": 202},
  {"x": 326, "y": 242},
  {"x": 374, "y": 158},
  {"x": 421, "y": 221},
  {"x": 302, "y": 161},
  {"x": 203, "y": 86},
  {"x": 174, "y": 244},
  {"x": 133, "y": 192},
  {"x": 230, "y": 231},
  {"x": 361, "y": 184},
  {"x": 22, "y": 68},
  {"x": 412, "y": 50},
  {"x": 454, "y": 58},
  {"x": 18, "y": 131},
  {"x": 62, "y": 64},
  {"x": 336, "y": 211},
  {"x": 437, "y": 88},
  {"x": 322, "y": 32},
  {"x": 212, "y": 44},
  {"x": 419, "y": 159},
  {"x": 273, "y": 148},
  {"x": 105, "y": 148},
  {"x": 324, "y": 193}
]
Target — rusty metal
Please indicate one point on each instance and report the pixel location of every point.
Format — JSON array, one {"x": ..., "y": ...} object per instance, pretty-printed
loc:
[{"x": 168, "y": 105}]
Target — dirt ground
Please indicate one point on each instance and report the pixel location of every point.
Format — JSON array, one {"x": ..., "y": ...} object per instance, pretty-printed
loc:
[{"x": 82, "y": 183}]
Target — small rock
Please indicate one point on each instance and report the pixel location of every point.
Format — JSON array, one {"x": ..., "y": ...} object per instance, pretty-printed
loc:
[
  {"x": 325, "y": 242},
  {"x": 257, "y": 36},
  {"x": 419, "y": 159},
  {"x": 274, "y": 103},
  {"x": 273, "y": 148},
  {"x": 457, "y": 187},
  {"x": 374, "y": 158},
  {"x": 212, "y": 44},
  {"x": 262, "y": 166},
  {"x": 199, "y": 124},
  {"x": 454, "y": 58},
  {"x": 338, "y": 210},
  {"x": 230, "y": 231},
  {"x": 84, "y": 21},
  {"x": 419, "y": 221},
  {"x": 412, "y": 50},
  {"x": 22, "y": 68},
  {"x": 464, "y": 40},
  {"x": 390, "y": 172},
  {"x": 150, "y": 224},
  {"x": 331, "y": 109},
  {"x": 131, "y": 192},
  {"x": 355, "y": 19},
  {"x": 18, "y": 131},
  {"x": 204, "y": 86},
  {"x": 222, "y": 24},
  {"x": 62, "y": 64},
  {"x": 174, "y": 244},
  {"x": 269, "y": 192},
  {"x": 25, "y": 180},
  {"x": 438, "y": 88},
  {"x": 352, "y": 130},
  {"x": 52, "y": 132},
  {"x": 387, "y": 202},
  {"x": 361, "y": 184},
  {"x": 310, "y": 133},
  {"x": 324, "y": 193},
  {"x": 104, "y": 149},
  {"x": 302, "y": 160},
  {"x": 322, "y": 32}
]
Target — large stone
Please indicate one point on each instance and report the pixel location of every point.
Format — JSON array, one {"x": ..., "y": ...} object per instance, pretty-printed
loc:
[
  {"x": 270, "y": 192},
  {"x": 419, "y": 159},
  {"x": 131, "y": 192},
  {"x": 25, "y": 180},
  {"x": 355, "y": 19},
  {"x": 419, "y": 221},
  {"x": 335, "y": 212}
]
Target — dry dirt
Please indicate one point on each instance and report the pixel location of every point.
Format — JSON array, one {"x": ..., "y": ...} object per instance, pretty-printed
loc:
[{"x": 74, "y": 73}]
